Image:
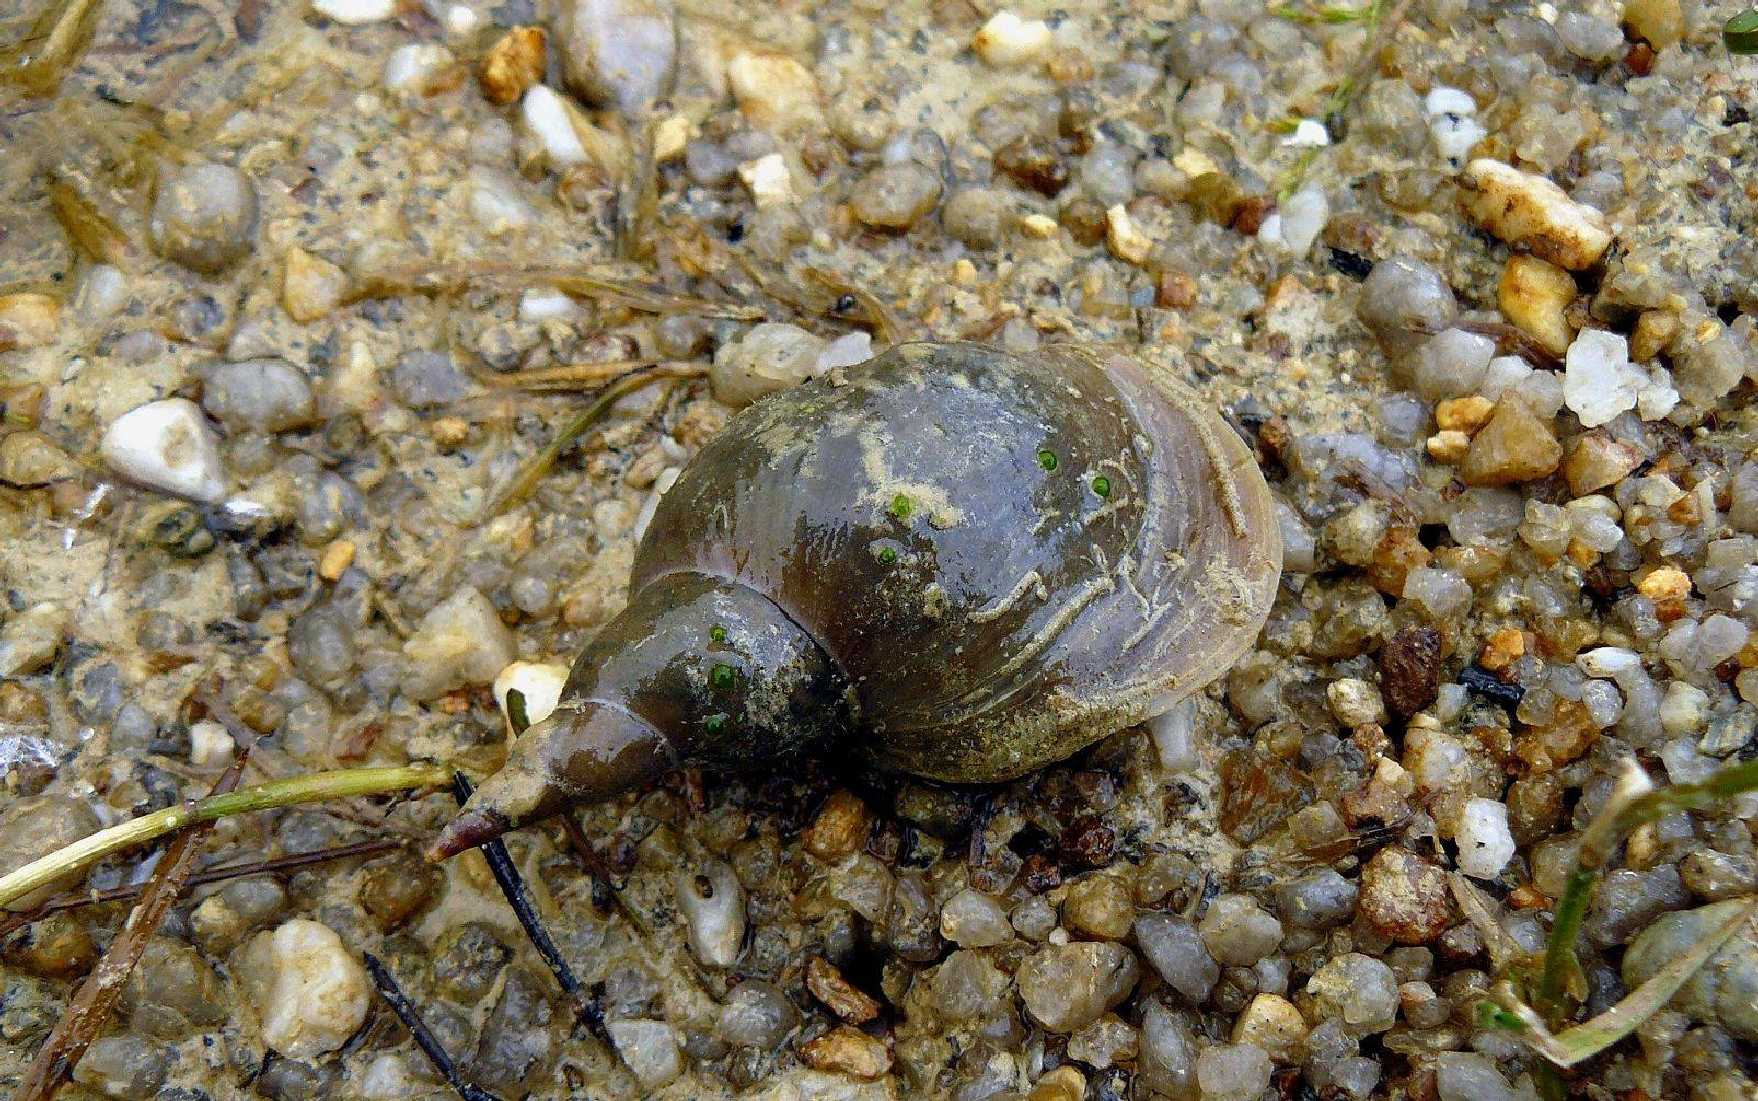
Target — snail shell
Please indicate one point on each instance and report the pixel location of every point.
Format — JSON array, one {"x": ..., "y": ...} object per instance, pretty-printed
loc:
[{"x": 973, "y": 562}]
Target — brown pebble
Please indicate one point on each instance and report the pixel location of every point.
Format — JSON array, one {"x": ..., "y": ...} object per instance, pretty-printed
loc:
[
  {"x": 394, "y": 889},
  {"x": 1517, "y": 445},
  {"x": 56, "y": 946},
  {"x": 1404, "y": 897},
  {"x": 1174, "y": 290},
  {"x": 1065, "y": 1083},
  {"x": 1088, "y": 842},
  {"x": 1399, "y": 551},
  {"x": 847, "y": 1001},
  {"x": 513, "y": 64},
  {"x": 1410, "y": 670},
  {"x": 841, "y": 827},
  {"x": 1084, "y": 219},
  {"x": 1640, "y": 59},
  {"x": 1033, "y": 165},
  {"x": 1248, "y": 216},
  {"x": 450, "y": 432},
  {"x": 845, "y": 1050},
  {"x": 1596, "y": 462},
  {"x": 1502, "y": 649}
]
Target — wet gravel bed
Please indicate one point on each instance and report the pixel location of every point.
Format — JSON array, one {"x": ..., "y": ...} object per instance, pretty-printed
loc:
[{"x": 313, "y": 282}]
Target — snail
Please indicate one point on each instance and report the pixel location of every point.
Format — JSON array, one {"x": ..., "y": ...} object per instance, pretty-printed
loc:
[{"x": 958, "y": 562}]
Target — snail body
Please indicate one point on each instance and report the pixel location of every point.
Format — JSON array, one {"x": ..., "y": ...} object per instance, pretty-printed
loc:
[{"x": 961, "y": 563}]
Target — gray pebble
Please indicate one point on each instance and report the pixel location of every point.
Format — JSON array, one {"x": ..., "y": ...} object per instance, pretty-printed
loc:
[
  {"x": 131, "y": 1067},
  {"x": 756, "y": 1014},
  {"x": 1320, "y": 899},
  {"x": 519, "y": 1038},
  {"x": 1177, "y": 952},
  {"x": 1238, "y": 932},
  {"x": 1403, "y": 296},
  {"x": 258, "y": 395},
  {"x": 895, "y": 196},
  {"x": 423, "y": 380},
  {"x": 618, "y": 53},
  {"x": 1724, "y": 990},
  {"x": 204, "y": 217},
  {"x": 976, "y": 216}
]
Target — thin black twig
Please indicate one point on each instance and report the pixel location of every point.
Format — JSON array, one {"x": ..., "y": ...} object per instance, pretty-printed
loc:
[
  {"x": 519, "y": 898},
  {"x": 386, "y": 984}
]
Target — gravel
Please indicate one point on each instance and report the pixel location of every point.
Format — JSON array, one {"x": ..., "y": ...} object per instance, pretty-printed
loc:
[{"x": 204, "y": 217}]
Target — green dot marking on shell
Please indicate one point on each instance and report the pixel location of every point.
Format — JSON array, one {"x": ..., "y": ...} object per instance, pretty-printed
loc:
[
  {"x": 721, "y": 678},
  {"x": 715, "y": 723},
  {"x": 900, "y": 507},
  {"x": 1047, "y": 459},
  {"x": 888, "y": 555},
  {"x": 717, "y": 633},
  {"x": 1102, "y": 486}
]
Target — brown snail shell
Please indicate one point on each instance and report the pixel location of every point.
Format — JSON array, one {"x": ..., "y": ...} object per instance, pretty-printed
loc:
[{"x": 965, "y": 563}]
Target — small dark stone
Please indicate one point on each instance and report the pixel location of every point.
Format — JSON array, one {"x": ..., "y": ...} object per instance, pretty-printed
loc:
[
  {"x": 1039, "y": 874},
  {"x": 467, "y": 960},
  {"x": 1351, "y": 264},
  {"x": 518, "y": 1038},
  {"x": 1033, "y": 165},
  {"x": 1484, "y": 683},
  {"x": 1736, "y": 114},
  {"x": 1088, "y": 842},
  {"x": 1410, "y": 670}
]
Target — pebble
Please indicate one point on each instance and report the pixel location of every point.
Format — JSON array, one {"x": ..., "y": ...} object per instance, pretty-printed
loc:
[
  {"x": 1006, "y": 40},
  {"x": 1127, "y": 242},
  {"x": 204, "y": 217},
  {"x": 1176, "y": 950},
  {"x": 1486, "y": 844},
  {"x": 28, "y": 320},
  {"x": 496, "y": 201},
  {"x": 1526, "y": 209},
  {"x": 130, "y": 1067},
  {"x": 1515, "y": 446},
  {"x": 845, "y": 1050},
  {"x": 38, "y": 824},
  {"x": 1355, "y": 702},
  {"x": 551, "y": 120},
  {"x": 1598, "y": 461},
  {"x": 712, "y": 902},
  {"x": 977, "y": 216},
  {"x": 30, "y": 460},
  {"x": 166, "y": 445},
  {"x": 756, "y": 1014},
  {"x": 540, "y": 683},
  {"x": 1599, "y": 382},
  {"x": 1716, "y": 876},
  {"x": 1168, "y": 1052},
  {"x": 1320, "y": 899},
  {"x": 309, "y": 993},
  {"x": 1442, "y": 593},
  {"x": 972, "y": 919},
  {"x": 258, "y": 395},
  {"x": 395, "y": 889},
  {"x": 1237, "y": 931},
  {"x": 172, "y": 991},
  {"x": 355, "y": 12},
  {"x": 1534, "y": 294},
  {"x": 1660, "y": 22},
  {"x": 426, "y": 380},
  {"x": 1297, "y": 222},
  {"x": 769, "y": 357},
  {"x": 1070, "y": 985},
  {"x": 1404, "y": 896},
  {"x": 414, "y": 70},
  {"x": 1272, "y": 1023},
  {"x": 311, "y": 287},
  {"x": 840, "y": 827},
  {"x": 895, "y": 196},
  {"x": 649, "y": 1049},
  {"x": 1452, "y": 363},
  {"x": 1065, "y": 1083},
  {"x": 1105, "y": 1042},
  {"x": 1099, "y": 906},
  {"x": 1232, "y": 1072},
  {"x": 775, "y": 93},
  {"x": 618, "y": 53},
  {"x": 31, "y": 638},
  {"x": 768, "y": 180},
  {"x": 1589, "y": 37},
  {"x": 1357, "y": 990},
  {"x": 460, "y": 641},
  {"x": 968, "y": 986},
  {"x": 1175, "y": 737},
  {"x": 514, "y": 64},
  {"x": 844, "y": 999},
  {"x": 1468, "y": 1076}
]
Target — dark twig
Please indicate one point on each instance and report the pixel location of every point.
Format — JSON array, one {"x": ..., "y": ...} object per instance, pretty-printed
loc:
[
  {"x": 519, "y": 898},
  {"x": 429, "y": 1044},
  {"x": 205, "y": 876},
  {"x": 98, "y": 995}
]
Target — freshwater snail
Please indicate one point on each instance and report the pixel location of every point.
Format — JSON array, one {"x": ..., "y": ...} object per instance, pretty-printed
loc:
[{"x": 965, "y": 563}]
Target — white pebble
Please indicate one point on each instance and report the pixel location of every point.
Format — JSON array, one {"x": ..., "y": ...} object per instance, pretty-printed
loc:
[
  {"x": 1485, "y": 842},
  {"x": 1658, "y": 397},
  {"x": 538, "y": 306},
  {"x": 845, "y": 351},
  {"x": 649, "y": 1049},
  {"x": 540, "y": 683},
  {"x": 1523, "y": 208},
  {"x": 1598, "y": 380},
  {"x": 549, "y": 119},
  {"x": 713, "y": 904},
  {"x": 166, "y": 445},
  {"x": 1683, "y": 709},
  {"x": 1308, "y": 134},
  {"x": 1456, "y": 135},
  {"x": 1293, "y": 228},
  {"x": 1443, "y": 100},
  {"x": 768, "y": 180},
  {"x": 409, "y": 67},
  {"x": 495, "y": 201},
  {"x": 355, "y": 11},
  {"x": 1174, "y": 734},
  {"x": 309, "y": 992},
  {"x": 209, "y": 745},
  {"x": 1442, "y": 592},
  {"x": 1007, "y": 40},
  {"x": 1607, "y": 661}
]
